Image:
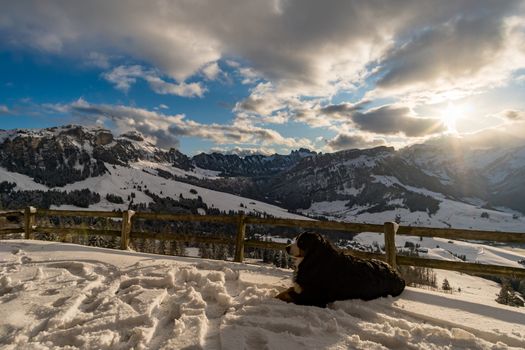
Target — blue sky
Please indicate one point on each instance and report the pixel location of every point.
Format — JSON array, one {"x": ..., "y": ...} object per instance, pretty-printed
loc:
[{"x": 265, "y": 76}]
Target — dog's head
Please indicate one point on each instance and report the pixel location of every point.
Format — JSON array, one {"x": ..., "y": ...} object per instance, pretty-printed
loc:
[{"x": 305, "y": 243}]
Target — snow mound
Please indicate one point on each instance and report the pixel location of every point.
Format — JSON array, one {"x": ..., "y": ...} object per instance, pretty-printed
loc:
[{"x": 64, "y": 296}]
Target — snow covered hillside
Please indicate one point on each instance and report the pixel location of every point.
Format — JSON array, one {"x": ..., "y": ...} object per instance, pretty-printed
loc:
[
  {"x": 64, "y": 296},
  {"x": 451, "y": 182},
  {"x": 446, "y": 249},
  {"x": 451, "y": 213},
  {"x": 125, "y": 181}
]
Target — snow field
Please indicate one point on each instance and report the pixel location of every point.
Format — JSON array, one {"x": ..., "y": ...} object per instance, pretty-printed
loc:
[
  {"x": 122, "y": 180},
  {"x": 65, "y": 296},
  {"x": 451, "y": 213},
  {"x": 441, "y": 248}
]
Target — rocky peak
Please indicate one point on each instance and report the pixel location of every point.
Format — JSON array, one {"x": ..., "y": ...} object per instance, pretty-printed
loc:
[
  {"x": 103, "y": 137},
  {"x": 252, "y": 165},
  {"x": 61, "y": 155},
  {"x": 133, "y": 135}
]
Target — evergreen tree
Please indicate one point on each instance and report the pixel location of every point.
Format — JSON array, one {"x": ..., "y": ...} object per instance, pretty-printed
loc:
[
  {"x": 164, "y": 247},
  {"x": 176, "y": 248},
  {"x": 149, "y": 246},
  {"x": 446, "y": 285},
  {"x": 277, "y": 258},
  {"x": 284, "y": 260},
  {"x": 267, "y": 256},
  {"x": 115, "y": 242},
  {"x": 205, "y": 251},
  {"x": 140, "y": 244},
  {"x": 221, "y": 252},
  {"x": 507, "y": 296}
]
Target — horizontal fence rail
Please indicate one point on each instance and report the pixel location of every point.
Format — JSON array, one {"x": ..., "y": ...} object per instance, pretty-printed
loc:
[
  {"x": 452, "y": 233},
  {"x": 78, "y": 213},
  {"x": 390, "y": 230},
  {"x": 13, "y": 213}
]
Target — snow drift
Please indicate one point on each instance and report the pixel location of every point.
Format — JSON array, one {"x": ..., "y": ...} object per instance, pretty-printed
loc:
[{"x": 65, "y": 296}]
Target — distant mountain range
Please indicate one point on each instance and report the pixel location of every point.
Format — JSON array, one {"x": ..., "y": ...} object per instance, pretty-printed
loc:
[{"x": 479, "y": 173}]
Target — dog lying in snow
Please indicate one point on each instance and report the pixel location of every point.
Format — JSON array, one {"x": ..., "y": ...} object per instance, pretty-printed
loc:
[{"x": 324, "y": 275}]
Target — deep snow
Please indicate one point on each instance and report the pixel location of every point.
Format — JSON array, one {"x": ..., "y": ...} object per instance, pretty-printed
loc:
[{"x": 65, "y": 296}]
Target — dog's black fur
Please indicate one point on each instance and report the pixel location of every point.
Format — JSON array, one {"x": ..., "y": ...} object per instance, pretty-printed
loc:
[{"x": 326, "y": 275}]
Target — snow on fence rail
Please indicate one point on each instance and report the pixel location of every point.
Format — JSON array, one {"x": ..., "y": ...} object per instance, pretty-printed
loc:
[{"x": 390, "y": 229}]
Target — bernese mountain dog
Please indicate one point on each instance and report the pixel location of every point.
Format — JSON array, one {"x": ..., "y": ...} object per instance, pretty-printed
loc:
[{"x": 323, "y": 274}]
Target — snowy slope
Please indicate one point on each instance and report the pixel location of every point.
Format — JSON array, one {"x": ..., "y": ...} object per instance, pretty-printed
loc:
[
  {"x": 451, "y": 213},
  {"x": 123, "y": 181},
  {"x": 65, "y": 296},
  {"x": 23, "y": 182},
  {"x": 442, "y": 249}
]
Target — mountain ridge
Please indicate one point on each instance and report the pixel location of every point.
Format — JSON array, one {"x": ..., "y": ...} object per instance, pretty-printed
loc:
[{"x": 417, "y": 178}]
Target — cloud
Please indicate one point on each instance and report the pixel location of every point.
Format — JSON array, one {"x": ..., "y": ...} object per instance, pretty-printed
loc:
[
  {"x": 180, "y": 89},
  {"x": 350, "y": 141},
  {"x": 123, "y": 77},
  {"x": 464, "y": 55},
  {"x": 4, "y": 109},
  {"x": 166, "y": 130},
  {"x": 249, "y": 75},
  {"x": 296, "y": 56},
  {"x": 512, "y": 115},
  {"x": 211, "y": 71},
  {"x": 301, "y": 45},
  {"x": 263, "y": 100},
  {"x": 343, "y": 108},
  {"x": 392, "y": 119},
  {"x": 166, "y": 36},
  {"x": 98, "y": 59},
  {"x": 268, "y": 104}
]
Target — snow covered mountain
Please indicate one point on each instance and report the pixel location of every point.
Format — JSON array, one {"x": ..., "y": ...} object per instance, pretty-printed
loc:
[
  {"x": 252, "y": 165},
  {"x": 53, "y": 167},
  {"x": 487, "y": 165},
  {"x": 62, "y": 155},
  {"x": 467, "y": 182}
]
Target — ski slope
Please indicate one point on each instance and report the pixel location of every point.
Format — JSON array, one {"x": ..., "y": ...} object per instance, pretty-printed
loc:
[{"x": 65, "y": 296}]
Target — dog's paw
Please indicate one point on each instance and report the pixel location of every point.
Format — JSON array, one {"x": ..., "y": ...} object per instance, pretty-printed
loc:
[{"x": 285, "y": 296}]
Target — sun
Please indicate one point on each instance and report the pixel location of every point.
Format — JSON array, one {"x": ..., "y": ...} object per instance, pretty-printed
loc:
[{"x": 451, "y": 114}]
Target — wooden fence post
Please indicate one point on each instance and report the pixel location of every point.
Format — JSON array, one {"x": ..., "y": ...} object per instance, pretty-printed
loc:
[
  {"x": 126, "y": 229},
  {"x": 29, "y": 220},
  {"x": 390, "y": 243},
  {"x": 239, "y": 242}
]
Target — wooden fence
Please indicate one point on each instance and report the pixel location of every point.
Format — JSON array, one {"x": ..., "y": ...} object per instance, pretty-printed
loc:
[{"x": 390, "y": 229}]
